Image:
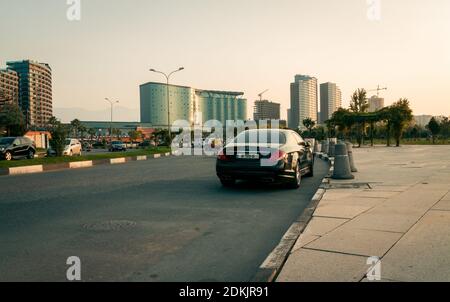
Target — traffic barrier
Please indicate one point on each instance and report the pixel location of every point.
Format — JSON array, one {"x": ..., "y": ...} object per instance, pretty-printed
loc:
[
  {"x": 322, "y": 146},
  {"x": 350, "y": 156},
  {"x": 342, "y": 168},
  {"x": 326, "y": 147},
  {"x": 331, "y": 148},
  {"x": 26, "y": 170},
  {"x": 80, "y": 164},
  {"x": 115, "y": 161}
]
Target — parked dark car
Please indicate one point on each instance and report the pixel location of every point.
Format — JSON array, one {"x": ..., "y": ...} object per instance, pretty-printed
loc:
[
  {"x": 117, "y": 146},
  {"x": 146, "y": 144},
  {"x": 271, "y": 156},
  {"x": 86, "y": 146},
  {"x": 17, "y": 147}
]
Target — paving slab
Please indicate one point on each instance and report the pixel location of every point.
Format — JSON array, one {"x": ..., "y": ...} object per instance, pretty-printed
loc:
[
  {"x": 376, "y": 194},
  {"x": 340, "y": 211},
  {"x": 443, "y": 205},
  {"x": 389, "y": 222},
  {"x": 423, "y": 253},
  {"x": 318, "y": 266},
  {"x": 320, "y": 226},
  {"x": 303, "y": 240},
  {"x": 402, "y": 216},
  {"x": 350, "y": 240},
  {"x": 446, "y": 197},
  {"x": 340, "y": 194}
]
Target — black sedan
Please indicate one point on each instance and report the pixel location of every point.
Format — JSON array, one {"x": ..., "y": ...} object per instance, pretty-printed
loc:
[{"x": 271, "y": 156}]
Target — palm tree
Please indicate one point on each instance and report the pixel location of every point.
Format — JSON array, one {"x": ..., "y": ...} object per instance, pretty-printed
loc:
[
  {"x": 75, "y": 124},
  {"x": 91, "y": 132},
  {"x": 359, "y": 104},
  {"x": 309, "y": 124},
  {"x": 117, "y": 133}
]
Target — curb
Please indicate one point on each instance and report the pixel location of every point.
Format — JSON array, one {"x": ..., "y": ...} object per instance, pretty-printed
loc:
[
  {"x": 271, "y": 267},
  {"x": 77, "y": 164}
]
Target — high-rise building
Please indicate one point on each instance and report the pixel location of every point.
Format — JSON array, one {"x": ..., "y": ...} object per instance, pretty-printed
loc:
[
  {"x": 375, "y": 103},
  {"x": 304, "y": 101},
  {"x": 35, "y": 91},
  {"x": 9, "y": 87},
  {"x": 289, "y": 117},
  {"x": 222, "y": 106},
  {"x": 330, "y": 100},
  {"x": 185, "y": 102},
  {"x": 265, "y": 110}
]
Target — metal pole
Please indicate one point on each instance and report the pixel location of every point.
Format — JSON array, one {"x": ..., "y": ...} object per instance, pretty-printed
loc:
[
  {"x": 168, "y": 96},
  {"x": 168, "y": 109},
  {"x": 110, "y": 125}
]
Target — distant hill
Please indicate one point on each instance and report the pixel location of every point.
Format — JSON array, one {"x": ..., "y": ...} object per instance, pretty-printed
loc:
[{"x": 121, "y": 114}]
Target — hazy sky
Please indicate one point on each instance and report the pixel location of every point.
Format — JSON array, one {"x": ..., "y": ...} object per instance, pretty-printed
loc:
[{"x": 243, "y": 45}]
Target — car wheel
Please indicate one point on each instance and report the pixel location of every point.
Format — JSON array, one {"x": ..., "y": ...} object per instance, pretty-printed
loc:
[
  {"x": 295, "y": 182},
  {"x": 30, "y": 154},
  {"x": 8, "y": 156},
  {"x": 71, "y": 154},
  {"x": 229, "y": 182}
]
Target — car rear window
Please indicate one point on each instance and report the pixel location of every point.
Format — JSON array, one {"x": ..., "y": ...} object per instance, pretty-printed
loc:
[{"x": 262, "y": 137}]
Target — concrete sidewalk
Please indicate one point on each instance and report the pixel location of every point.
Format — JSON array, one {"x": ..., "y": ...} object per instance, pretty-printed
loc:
[{"x": 397, "y": 209}]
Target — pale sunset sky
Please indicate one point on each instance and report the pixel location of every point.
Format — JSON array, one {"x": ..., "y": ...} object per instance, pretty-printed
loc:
[{"x": 239, "y": 45}]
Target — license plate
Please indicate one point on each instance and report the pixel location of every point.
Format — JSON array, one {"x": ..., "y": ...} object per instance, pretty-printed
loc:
[{"x": 248, "y": 156}]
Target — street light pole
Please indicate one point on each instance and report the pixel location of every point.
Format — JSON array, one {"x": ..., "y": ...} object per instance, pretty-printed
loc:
[
  {"x": 110, "y": 125},
  {"x": 167, "y": 76}
]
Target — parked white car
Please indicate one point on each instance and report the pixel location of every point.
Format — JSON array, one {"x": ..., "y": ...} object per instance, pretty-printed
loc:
[{"x": 73, "y": 147}]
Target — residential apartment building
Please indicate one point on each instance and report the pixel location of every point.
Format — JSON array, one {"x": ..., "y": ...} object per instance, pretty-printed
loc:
[
  {"x": 9, "y": 87},
  {"x": 266, "y": 110},
  {"x": 35, "y": 91},
  {"x": 304, "y": 101},
  {"x": 330, "y": 100},
  {"x": 375, "y": 103},
  {"x": 185, "y": 102}
]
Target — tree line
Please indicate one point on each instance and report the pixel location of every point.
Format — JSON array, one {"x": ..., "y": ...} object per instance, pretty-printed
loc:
[{"x": 389, "y": 123}]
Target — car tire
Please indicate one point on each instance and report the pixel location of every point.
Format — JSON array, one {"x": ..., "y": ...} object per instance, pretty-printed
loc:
[
  {"x": 30, "y": 154},
  {"x": 296, "y": 181},
  {"x": 8, "y": 156},
  {"x": 228, "y": 183}
]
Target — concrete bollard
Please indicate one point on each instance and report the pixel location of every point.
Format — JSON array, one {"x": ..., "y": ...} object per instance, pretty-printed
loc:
[
  {"x": 342, "y": 168},
  {"x": 326, "y": 147},
  {"x": 317, "y": 147},
  {"x": 331, "y": 148},
  {"x": 350, "y": 156},
  {"x": 322, "y": 146}
]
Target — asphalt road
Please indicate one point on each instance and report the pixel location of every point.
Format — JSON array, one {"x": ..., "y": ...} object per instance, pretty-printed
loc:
[{"x": 162, "y": 220}]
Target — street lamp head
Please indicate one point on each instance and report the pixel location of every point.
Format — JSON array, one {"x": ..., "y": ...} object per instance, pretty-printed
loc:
[
  {"x": 152, "y": 70},
  {"x": 181, "y": 68}
]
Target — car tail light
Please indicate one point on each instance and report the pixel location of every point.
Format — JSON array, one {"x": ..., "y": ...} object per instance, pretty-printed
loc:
[
  {"x": 277, "y": 156},
  {"x": 222, "y": 156}
]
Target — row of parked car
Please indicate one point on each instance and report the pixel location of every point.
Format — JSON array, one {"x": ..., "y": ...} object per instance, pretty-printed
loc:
[{"x": 23, "y": 147}]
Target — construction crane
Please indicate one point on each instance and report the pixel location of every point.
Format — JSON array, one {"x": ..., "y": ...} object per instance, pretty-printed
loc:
[
  {"x": 378, "y": 90},
  {"x": 262, "y": 93}
]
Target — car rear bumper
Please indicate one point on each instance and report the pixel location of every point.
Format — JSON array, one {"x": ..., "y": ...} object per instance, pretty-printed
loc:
[{"x": 233, "y": 170}]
